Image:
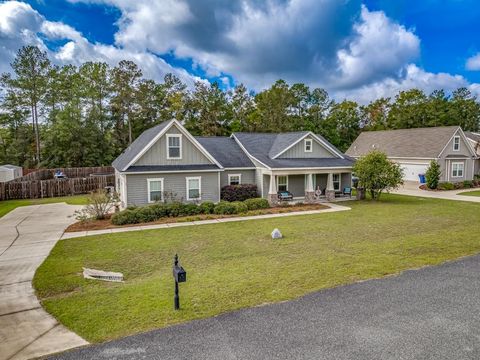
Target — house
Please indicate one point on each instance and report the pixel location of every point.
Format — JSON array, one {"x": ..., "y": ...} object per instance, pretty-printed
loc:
[
  {"x": 413, "y": 149},
  {"x": 9, "y": 172},
  {"x": 167, "y": 162}
]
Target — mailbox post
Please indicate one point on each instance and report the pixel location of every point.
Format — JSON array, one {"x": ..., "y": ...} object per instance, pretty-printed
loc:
[{"x": 180, "y": 275}]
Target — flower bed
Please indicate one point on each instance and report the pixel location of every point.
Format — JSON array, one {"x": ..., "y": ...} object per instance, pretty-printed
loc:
[
  {"x": 107, "y": 223},
  {"x": 445, "y": 186}
]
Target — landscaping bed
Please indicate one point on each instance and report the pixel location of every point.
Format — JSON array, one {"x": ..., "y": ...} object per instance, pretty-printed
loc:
[
  {"x": 107, "y": 223},
  {"x": 446, "y": 186}
]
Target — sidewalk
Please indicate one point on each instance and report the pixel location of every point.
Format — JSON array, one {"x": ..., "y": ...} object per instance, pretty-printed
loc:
[{"x": 332, "y": 208}]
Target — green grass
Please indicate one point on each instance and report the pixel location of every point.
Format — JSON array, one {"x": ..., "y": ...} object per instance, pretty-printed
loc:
[
  {"x": 470, "y": 193},
  {"x": 236, "y": 265},
  {"x": 8, "y": 205}
]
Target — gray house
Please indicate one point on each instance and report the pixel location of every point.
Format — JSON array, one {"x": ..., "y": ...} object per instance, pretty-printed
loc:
[
  {"x": 166, "y": 161},
  {"x": 413, "y": 149}
]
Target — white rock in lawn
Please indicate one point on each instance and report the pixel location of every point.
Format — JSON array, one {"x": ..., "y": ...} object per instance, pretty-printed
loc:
[{"x": 276, "y": 234}]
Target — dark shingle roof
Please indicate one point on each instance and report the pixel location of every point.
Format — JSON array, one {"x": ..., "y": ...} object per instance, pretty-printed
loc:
[
  {"x": 473, "y": 136},
  {"x": 226, "y": 151},
  {"x": 259, "y": 145},
  {"x": 138, "y": 145},
  {"x": 419, "y": 142},
  {"x": 160, "y": 168}
]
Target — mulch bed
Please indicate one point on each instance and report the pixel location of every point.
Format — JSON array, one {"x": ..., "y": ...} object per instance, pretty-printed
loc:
[{"x": 106, "y": 223}]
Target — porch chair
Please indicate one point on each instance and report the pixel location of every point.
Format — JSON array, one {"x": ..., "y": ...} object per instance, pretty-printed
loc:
[
  {"x": 285, "y": 195},
  {"x": 347, "y": 191}
]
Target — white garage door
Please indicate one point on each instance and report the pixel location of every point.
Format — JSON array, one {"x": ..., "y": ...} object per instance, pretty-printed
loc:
[{"x": 411, "y": 171}]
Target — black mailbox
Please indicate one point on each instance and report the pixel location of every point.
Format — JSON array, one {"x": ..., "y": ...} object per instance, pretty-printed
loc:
[{"x": 179, "y": 274}]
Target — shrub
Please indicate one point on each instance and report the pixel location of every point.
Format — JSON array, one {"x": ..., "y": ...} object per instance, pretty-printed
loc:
[
  {"x": 206, "y": 207},
  {"x": 146, "y": 214},
  {"x": 100, "y": 204},
  {"x": 160, "y": 210},
  {"x": 174, "y": 209},
  {"x": 240, "y": 207},
  {"x": 458, "y": 185},
  {"x": 225, "y": 208},
  {"x": 467, "y": 184},
  {"x": 257, "y": 203},
  {"x": 125, "y": 217},
  {"x": 240, "y": 192},
  {"x": 445, "y": 186},
  {"x": 190, "y": 209},
  {"x": 432, "y": 175}
]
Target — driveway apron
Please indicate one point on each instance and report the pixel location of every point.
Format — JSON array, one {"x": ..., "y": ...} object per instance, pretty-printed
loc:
[{"x": 27, "y": 235}]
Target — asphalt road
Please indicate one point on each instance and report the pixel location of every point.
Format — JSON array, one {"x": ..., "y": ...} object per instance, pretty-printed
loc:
[{"x": 431, "y": 313}]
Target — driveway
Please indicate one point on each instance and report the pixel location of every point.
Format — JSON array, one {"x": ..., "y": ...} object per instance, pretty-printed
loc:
[
  {"x": 27, "y": 234},
  {"x": 410, "y": 188},
  {"x": 430, "y": 313}
]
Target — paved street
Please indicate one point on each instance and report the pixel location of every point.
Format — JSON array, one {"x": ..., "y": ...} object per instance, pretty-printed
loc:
[
  {"x": 27, "y": 234},
  {"x": 431, "y": 313}
]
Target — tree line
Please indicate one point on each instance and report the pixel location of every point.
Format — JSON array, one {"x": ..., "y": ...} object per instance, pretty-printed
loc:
[{"x": 65, "y": 116}]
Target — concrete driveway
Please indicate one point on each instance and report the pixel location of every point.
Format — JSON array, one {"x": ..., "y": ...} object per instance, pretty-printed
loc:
[
  {"x": 27, "y": 234},
  {"x": 431, "y": 313},
  {"x": 411, "y": 188}
]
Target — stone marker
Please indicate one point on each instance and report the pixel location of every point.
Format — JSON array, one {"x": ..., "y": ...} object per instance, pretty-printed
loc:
[{"x": 276, "y": 234}]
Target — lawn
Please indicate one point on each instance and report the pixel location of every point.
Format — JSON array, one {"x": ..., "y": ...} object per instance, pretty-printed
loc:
[
  {"x": 8, "y": 205},
  {"x": 235, "y": 265},
  {"x": 470, "y": 193}
]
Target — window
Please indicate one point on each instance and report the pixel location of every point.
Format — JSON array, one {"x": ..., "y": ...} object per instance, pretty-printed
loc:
[
  {"x": 282, "y": 183},
  {"x": 174, "y": 146},
  {"x": 457, "y": 169},
  {"x": 336, "y": 182},
  {"x": 155, "y": 190},
  {"x": 194, "y": 188},
  {"x": 234, "y": 179},
  {"x": 308, "y": 145},
  {"x": 456, "y": 143}
]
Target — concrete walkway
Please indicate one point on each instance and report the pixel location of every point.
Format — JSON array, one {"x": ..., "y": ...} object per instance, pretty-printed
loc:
[
  {"x": 27, "y": 235},
  {"x": 411, "y": 189},
  {"x": 332, "y": 208}
]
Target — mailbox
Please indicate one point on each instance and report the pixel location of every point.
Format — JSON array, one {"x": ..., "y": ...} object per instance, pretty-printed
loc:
[{"x": 179, "y": 274}]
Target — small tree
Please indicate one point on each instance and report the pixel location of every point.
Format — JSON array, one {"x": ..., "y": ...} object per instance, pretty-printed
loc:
[
  {"x": 377, "y": 174},
  {"x": 432, "y": 176},
  {"x": 100, "y": 204}
]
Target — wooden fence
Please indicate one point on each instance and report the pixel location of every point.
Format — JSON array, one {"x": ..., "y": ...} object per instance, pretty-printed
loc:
[
  {"x": 34, "y": 189},
  {"x": 78, "y": 172}
]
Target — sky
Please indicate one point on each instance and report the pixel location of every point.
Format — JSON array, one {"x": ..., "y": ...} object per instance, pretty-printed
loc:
[{"x": 358, "y": 50}]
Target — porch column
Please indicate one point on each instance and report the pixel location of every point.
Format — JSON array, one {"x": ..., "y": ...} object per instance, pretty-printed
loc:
[
  {"x": 330, "y": 192},
  {"x": 309, "y": 191},
  {"x": 272, "y": 191}
]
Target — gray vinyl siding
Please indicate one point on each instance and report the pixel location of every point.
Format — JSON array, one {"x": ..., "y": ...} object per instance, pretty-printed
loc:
[
  {"x": 322, "y": 181},
  {"x": 157, "y": 154},
  {"x": 248, "y": 176},
  {"x": 298, "y": 151},
  {"x": 174, "y": 183},
  {"x": 266, "y": 185},
  {"x": 448, "y": 157},
  {"x": 346, "y": 180},
  {"x": 259, "y": 182},
  {"x": 296, "y": 185}
]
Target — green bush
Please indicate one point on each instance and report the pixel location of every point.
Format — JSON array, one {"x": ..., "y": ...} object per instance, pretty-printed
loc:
[
  {"x": 207, "y": 207},
  {"x": 161, "y": 210},
  {"x": 190, "y": 209},
  {"x": 468, "y": 184},
  {"x": 146, "y": 214},
  {"x": 458, "y": 185},
  {"x": 225, "y": 208},
  {"x": 240, "y": 207},
  {"x": 175, "y": 209},
  {"x": 256, "y": 203},
  {"x": 445, "y": 186},
  {"x": 125, "y": 217},
  {"x": 432, "y": 176}
]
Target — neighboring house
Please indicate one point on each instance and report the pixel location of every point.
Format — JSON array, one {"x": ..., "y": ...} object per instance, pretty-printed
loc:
[
  {"x": 10, "y": 172},
  {"x": 474, "y": 139},
  {"x": 166, "y": 162},
  {"x": 413, "y": 149}
]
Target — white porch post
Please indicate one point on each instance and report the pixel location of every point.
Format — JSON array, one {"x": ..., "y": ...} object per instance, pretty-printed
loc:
[
  {"x": 330, "y": 192},
  {"x": 309, "y": 182},
  {"x": 272, "y": 191},
  {"x": 309, "y": 191}
]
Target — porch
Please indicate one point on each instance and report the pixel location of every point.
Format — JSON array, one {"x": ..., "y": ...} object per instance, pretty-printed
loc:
[{"x": 309, "y": 187}]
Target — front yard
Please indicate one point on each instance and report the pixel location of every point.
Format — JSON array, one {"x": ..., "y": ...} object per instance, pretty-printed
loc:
[
  {"x": 470, "y": 193},
  {"x": 236, "y": 265}
]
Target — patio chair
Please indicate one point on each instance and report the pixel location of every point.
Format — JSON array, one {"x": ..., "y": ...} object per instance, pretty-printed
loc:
[
  {"x": 347, "y": 191},
  {"x": 285, "y": 195}
]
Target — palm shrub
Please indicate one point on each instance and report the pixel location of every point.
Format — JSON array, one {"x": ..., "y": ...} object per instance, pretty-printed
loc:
[{"x": 432, "y": 176}]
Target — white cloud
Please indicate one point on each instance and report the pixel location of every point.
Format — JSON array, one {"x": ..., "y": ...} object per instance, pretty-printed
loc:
[{"x": 473, "y": 63}]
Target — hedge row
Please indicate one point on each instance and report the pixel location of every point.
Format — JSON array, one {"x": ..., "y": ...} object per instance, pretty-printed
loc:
[
  {"x": 240, "y": 192},
  {"x": 467, "y": 184},
  {"x": 154, "y": 212}
]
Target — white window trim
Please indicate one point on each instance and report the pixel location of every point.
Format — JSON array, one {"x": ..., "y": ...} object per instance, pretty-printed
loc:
[
  {"x": 454, "y": 138},
  {"x": 305, "y": 141},
  {"x": 168, "y": 136},
  {"x": 463, "y": 169},
  {"x": 339, "y": 182},
  {"x": 278, "y": 183},
  {"x": 150, "y": 201},
  {"x": 199, "y": 178},
  {"x": 239, "y": 178}
]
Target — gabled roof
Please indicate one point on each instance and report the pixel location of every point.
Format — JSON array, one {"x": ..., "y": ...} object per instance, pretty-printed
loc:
[
  {"x": 226, "y": 151},
  {"x": 260, "y": 145},
  {"x": 475, "y": 137},
  {"x": 425, "y": 143},
  {"x": 121, "y": 162}
]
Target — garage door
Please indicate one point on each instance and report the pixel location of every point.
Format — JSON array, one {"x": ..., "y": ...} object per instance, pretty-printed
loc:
[{"x": 411, "y": 171}]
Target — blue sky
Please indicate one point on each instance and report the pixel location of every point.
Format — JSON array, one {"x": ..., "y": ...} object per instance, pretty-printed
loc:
[{"x": 354, "y": 49}]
